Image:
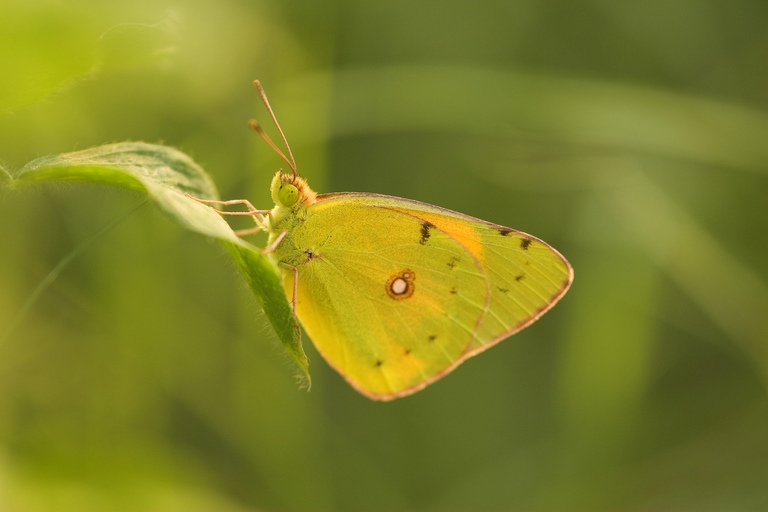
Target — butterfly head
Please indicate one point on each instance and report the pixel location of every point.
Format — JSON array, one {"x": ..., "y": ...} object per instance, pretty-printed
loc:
[{"x": 291, "y": 191}]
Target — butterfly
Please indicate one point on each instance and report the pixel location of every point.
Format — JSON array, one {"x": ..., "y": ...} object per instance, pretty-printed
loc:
[{"x": 396, "y": 293}]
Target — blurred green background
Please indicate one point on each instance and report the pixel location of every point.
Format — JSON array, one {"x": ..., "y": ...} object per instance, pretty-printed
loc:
[{"x": 633, "y": 136}]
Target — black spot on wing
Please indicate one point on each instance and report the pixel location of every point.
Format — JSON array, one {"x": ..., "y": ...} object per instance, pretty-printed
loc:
[
  {"x": 454, "y": 290},
  {"x": 453, "y": 262},
  {"x": 524, "y": 242},
  {"x": 503, "y": 290},
  {"x": 379, "y": 362},
  {"x": 520, "y": 277},
  {"x": 425, "y": 234},
  {"x": 432, "y": 337}
]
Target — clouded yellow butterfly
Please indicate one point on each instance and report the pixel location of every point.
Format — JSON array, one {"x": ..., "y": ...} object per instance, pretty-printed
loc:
[{"x": 396, "y": 293}]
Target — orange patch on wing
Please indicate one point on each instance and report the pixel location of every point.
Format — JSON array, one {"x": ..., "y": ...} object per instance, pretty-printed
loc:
[{"x": 464, "y": 233}]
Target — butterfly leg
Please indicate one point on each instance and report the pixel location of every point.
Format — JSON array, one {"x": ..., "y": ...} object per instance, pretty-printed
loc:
[
  {"x": 293, "y": 303},
  {"x": 256, "y": 214},
  {"x": 295, "y": 288},
  {"x": 295, "y": 285},
  {"x": 295, "y": 270},
  {"x": 271, "y": 247},
  {"x": 252, "y": 210}
]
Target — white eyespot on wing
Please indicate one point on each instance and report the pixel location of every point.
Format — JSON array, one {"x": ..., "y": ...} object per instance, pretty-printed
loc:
[{"x": 400, "y": 286}]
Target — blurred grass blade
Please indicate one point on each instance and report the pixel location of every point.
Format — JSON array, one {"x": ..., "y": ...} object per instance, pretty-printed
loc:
[
  {"x": 166, "y": 175},
  {"x": 731, "y": 293},
  {"x": 59, "y": 268},
  {"x": 584, "y": 113}
]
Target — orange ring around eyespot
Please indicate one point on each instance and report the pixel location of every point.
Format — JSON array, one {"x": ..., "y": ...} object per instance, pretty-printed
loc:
[{"x": 400, "y": 286}]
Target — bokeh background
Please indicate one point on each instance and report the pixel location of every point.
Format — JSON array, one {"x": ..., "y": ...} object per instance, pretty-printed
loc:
[{"x": 633, "y": 136}]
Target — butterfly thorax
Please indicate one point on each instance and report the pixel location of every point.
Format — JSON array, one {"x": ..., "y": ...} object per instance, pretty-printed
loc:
[{"x": 292, "y": 197}]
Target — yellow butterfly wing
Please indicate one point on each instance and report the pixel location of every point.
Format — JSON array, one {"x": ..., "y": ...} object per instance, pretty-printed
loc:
[{"x": 396, "y": 293}]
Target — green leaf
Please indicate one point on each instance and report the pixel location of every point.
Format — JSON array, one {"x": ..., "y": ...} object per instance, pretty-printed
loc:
[{"x": 166, "y": 175}]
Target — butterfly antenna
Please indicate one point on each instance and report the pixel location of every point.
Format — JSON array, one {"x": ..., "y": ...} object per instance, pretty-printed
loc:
[
  {"x": 255, "y": 126},
  {"x": 258, "y": 129}
]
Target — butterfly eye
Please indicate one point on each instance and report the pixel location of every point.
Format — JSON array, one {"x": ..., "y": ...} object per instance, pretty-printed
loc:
[{"x": 288, "y": 194}]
